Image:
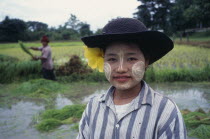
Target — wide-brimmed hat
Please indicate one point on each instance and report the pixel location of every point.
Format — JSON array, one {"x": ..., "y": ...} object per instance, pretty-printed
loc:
[
  {"x": 154, "y": 43},
  {"x": 45, "y": 39}
]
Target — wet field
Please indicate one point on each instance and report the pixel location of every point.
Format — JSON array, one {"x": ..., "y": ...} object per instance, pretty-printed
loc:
[{"x": 17, "y": 120}]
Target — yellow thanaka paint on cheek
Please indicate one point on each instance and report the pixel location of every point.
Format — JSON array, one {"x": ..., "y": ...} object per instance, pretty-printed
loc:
[
  {"x": 107, "y": 70},
  {"x": 138, "y": 70}
]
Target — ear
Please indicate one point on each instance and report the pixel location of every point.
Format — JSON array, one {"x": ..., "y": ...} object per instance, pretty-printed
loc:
[{"x": 146, "y": 63}]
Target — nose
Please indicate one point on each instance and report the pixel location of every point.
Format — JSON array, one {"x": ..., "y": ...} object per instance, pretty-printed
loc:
[{"x": 121, "y": 67}]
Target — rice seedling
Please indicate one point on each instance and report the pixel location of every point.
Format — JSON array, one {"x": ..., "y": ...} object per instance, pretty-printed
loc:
[
  {"x": 197, "y": 123},
  {"x": 51, "y": 119},
  {"x": 24, "y": 48}
]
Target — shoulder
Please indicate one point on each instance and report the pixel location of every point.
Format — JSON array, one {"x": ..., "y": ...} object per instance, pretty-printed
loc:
[
  {"x": 167, "y": 110},
  {"x": 164, "y": 100}
]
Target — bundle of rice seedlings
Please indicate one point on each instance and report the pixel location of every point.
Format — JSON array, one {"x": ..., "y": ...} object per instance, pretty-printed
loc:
[{"x": 24, "y": 48}]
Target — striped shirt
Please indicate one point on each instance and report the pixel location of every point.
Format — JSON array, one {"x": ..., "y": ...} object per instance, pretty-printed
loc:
[{"x": 150, "y": 116}]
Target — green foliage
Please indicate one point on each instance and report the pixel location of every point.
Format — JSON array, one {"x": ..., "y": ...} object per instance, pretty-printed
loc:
[
  {"x": 173, "y": 16},
  {"x": 64, "y": 113},
  {"x": 200, "y": 34},
  {"x": 24, "y": 48},
  {"x": 183, "y": 63},
  {"x": 94, "y": 76},
  {"x": 48, "y": 125},
  {"x": 10, "y": 71},
  {"x": 6, "y": 58},
  {"x": 53, "y": 118},
  {"x": 12, "y": 30},
  {"x": 201, "y": 132},
  {"x": 197, "y": 123},
  {"x": 171, "y": 75},
  {"x": 39, "y": 86}
]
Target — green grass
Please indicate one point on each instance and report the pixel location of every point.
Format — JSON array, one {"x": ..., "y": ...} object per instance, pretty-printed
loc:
[
  {"x": 36, "y": 44},
  {"x": 183, "y": 56},
  {"x": 53, "y": 118},
  {"x": 19, "y": 70},
  {"x": 37, "y": 85},
  {"x": 59, "y": 54},
  {"x": 197, "y": 123}
]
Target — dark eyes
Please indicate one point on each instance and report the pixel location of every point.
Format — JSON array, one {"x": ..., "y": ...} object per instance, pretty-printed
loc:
[
  {"x": 112, "y": 59},
  {"x": 129, "y": 59},
  {"x": 132, "y": 59}
]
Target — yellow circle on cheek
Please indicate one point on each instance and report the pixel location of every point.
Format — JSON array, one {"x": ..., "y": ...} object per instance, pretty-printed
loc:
[
  {"x": 107, "y": 70},
  {"x": 138, "y": 70}
]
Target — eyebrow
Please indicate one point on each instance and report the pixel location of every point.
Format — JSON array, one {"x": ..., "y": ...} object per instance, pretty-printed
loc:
[
  {"x": 112, "y": 54},
  {"x": 131, "y": 53}
]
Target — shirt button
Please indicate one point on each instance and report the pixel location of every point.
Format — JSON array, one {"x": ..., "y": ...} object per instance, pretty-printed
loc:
[{"x": 117, "y": 125}]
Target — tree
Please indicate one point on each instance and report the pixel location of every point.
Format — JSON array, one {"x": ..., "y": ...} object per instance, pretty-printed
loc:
[
  {"x": 36, "y": 26},
  {"x": 154, "y": 13},
  {"x": 12, "y": 30},
  {"x": 73, "y": 23},
  {"x": 144, "y": 15},
  {"x": 98, "y": 31},
  {"x": 199, "y": 13},
  {"x": 85, "y": 30}
]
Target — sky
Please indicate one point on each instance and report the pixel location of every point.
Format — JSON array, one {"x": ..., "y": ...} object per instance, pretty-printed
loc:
[{"x": 56, "y": 12}]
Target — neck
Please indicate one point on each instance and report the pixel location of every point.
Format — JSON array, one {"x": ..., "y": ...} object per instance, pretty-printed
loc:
[{"x": 126, "y": 96}]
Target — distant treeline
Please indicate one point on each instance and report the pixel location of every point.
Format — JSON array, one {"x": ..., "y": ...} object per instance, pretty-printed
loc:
[
  {"x": 12, "y": 30},
  {"x": 173, "y": 16},
  {"x": 169, "y": 16}
]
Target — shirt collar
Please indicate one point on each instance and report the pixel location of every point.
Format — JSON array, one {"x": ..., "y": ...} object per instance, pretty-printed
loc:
[{"x": 145, "y": 96}]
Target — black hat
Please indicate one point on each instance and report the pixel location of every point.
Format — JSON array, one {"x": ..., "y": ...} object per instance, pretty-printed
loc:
[{"x": 154, "y": 43}]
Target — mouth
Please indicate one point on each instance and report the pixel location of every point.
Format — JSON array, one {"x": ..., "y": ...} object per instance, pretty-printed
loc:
[{"x": 121, "y": 78}]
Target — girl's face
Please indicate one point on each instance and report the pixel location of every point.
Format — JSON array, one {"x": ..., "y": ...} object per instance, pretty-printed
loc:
[{"x": 124, "y": 65}]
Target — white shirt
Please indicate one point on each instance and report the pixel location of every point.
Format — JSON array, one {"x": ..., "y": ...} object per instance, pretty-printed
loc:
[{"x": 121, "y": 110}]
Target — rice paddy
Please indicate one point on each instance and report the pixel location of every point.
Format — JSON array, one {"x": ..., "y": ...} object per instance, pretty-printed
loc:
[
  {"x": 183, "y": 63},
  {"x": 182, "y": 56}
]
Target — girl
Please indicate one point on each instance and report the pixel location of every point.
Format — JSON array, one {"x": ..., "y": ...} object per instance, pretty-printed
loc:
[{"x": 130, "y": 108}]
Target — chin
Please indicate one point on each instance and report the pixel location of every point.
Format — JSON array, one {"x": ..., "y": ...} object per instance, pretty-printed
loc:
[{"x": 124, "y": 86}]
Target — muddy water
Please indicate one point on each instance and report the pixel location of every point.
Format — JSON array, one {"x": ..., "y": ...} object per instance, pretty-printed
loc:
[
  {"x": 187, "y": 96},
  {"x": 17, "y": 121}
]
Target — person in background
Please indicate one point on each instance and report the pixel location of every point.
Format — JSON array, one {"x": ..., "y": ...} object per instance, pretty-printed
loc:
[
  {"x": 46, "y": 59},
  {"x": 130, "y": 109}
]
